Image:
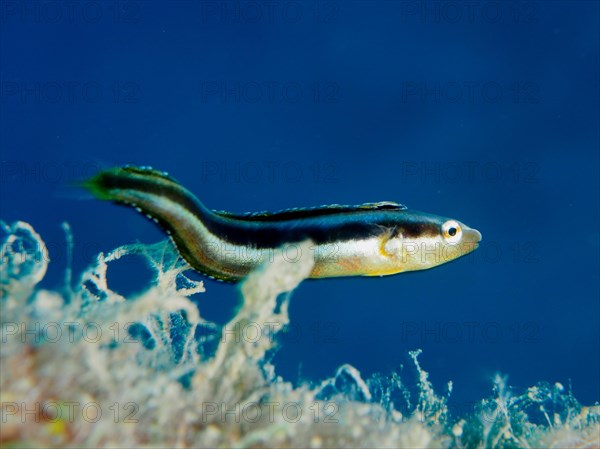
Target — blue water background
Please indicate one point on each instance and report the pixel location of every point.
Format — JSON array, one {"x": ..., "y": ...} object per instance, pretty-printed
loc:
[{"x": 525, "y": 304}]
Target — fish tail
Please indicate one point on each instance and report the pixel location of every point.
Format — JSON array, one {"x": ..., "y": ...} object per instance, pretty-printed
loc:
[
  {"x": 109, "y": 184},
  {"x": 143, "y": 188},
  {"x": 176, "y": 210}
]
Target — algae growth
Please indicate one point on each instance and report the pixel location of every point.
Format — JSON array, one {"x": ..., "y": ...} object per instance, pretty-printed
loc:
[{"x": 87, "y": 367}]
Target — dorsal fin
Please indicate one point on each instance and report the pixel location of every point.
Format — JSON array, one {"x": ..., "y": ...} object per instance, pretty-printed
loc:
[
  {"x": 146, "y": 170},
  {"x": 308, "y": 212}
]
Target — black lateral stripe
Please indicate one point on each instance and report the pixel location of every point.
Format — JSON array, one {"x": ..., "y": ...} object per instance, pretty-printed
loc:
[
  {"x": 324, "y": 225},
  {"x": 273, "y": 235},
  {"x": 330, "y": 230}
]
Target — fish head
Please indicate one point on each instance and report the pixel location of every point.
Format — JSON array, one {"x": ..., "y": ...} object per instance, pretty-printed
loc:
[{"x": 425, "y": 241}]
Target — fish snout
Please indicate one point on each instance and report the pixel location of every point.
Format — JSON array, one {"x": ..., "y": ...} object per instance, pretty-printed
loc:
[{"x": 472, "y": 236}]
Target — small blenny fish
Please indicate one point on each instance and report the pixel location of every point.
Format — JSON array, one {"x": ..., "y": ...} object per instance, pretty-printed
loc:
[{"x": 374, "y": 239}]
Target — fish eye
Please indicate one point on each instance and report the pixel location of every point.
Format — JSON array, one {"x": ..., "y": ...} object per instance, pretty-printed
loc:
[{"x": 451, "y": 231}]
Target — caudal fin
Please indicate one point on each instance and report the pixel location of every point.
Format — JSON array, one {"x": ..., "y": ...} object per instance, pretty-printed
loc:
[{"x": 107, "y": 184}]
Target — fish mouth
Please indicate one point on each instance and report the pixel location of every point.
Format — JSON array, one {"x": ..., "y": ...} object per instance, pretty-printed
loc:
[
  {"x": 472, "y": 237},
  {"x": 476, "y": 235}
]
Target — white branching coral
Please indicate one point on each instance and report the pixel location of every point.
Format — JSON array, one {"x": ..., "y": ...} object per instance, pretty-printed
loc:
[
  {"x": 87, "y": 367},
  {"x": 24, "y": 259}
]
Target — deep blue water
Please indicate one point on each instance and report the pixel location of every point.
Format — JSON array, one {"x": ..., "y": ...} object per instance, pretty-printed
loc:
[{"x": 488, "y": 114}]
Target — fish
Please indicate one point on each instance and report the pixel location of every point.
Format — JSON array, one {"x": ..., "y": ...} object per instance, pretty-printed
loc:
[{"x": 372, "y": 239}]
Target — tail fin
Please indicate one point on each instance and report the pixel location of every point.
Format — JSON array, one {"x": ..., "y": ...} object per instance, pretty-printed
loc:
[
  {"x": 162, "y": 199},
  {"x": 107, "y": 184},
  {"x": 152, "y": 192}
]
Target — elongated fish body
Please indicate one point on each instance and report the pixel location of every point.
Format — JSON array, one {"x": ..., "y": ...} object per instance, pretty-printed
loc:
[{"x": 372, "y": 239}]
